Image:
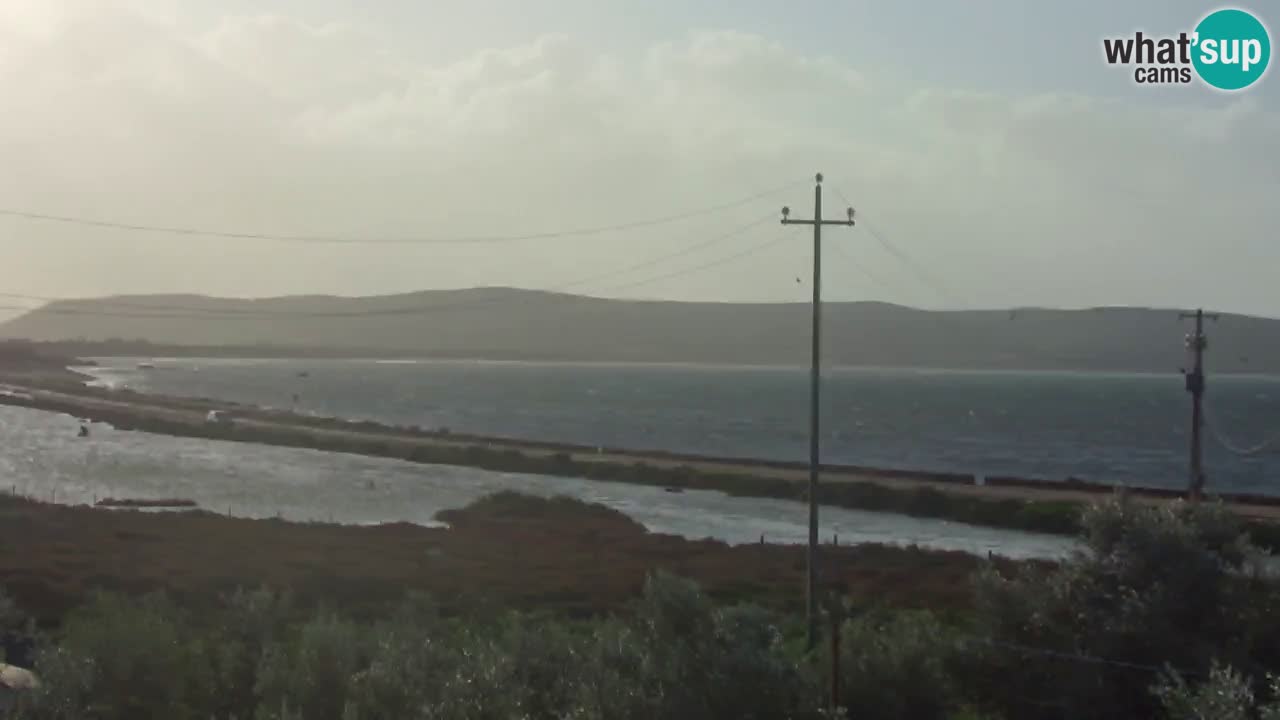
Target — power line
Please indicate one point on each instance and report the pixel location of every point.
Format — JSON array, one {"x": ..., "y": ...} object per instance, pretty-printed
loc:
[
  {"x": 923, "y": 274},
  {"x": 1216, "y": 431},
  {"x": 1074, "y": 657},
  {"x": 679, "y": 253},
  {"x": 199, "y": 312},
  {"x": 860, "y": 269},
  {"x": 698, "y": 268},
  {"x": 333, "y": 239},
  {"x": 920, "y": 271},
  {"x": 188, "y": 312}
]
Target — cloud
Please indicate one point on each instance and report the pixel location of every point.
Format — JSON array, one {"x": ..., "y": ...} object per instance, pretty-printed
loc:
[{"x": 267, "y": 122}]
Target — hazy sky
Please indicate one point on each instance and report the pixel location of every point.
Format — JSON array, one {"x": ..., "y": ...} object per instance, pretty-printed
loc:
[{"x": 988, "y": 140}]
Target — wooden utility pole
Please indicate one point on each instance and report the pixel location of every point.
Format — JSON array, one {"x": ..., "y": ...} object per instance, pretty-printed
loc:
[
  {"x": 836, "y": 614},
  {"x": 1196, "y": 344},
  {"x": 811, "y": 588}
]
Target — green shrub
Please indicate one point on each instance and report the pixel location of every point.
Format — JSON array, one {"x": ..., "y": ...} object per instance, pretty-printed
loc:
[
  {"x": 1226, "y": 695},
  {"x": 1047, "y": 516},
  {"x": 252, "y": 622},
  {"x": 11, "y": 617},
  {"x": 898, "y": 666},
  {"x": 408, "y": 666},
  {"x": 1153, "y": 586},
  {"x": 125, "y": 658},
  {"x": 676, "y": 656},
  {"x": 311, "y": 675},
  {"x": 698, "y": 662}
]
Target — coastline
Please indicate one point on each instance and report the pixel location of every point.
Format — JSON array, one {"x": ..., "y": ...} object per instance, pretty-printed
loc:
[
  {"x": 87, "y": 383},
  {"x": 139, "y": 349},
  {"x": 1008, "y": 503}
]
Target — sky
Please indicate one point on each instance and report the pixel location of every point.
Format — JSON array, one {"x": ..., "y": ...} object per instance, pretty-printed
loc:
[{"x": 995, "y": 158}]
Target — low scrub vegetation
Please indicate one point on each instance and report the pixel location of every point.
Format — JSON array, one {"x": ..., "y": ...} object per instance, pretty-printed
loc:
[
  {"x": 1164, "y": 613},
  {"x": 675, "y": 655}
]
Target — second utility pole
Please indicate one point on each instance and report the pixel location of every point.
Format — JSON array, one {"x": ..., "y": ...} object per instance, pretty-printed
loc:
[
  {"x": 811, "y": 580},
  {"x": 1196, "y": 343}
]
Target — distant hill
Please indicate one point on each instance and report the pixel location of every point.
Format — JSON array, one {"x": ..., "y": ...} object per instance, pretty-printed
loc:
[{"x": 499, "y": 323}]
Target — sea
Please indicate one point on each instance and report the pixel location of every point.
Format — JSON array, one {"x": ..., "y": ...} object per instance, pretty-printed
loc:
[{"x": 1123, "y": 429}]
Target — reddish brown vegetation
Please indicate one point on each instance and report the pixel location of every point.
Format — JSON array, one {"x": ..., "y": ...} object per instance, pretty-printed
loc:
[{"x": 510, "y": 551}]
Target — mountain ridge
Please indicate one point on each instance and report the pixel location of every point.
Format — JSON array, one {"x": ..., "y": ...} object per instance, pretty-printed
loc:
[{"x": 508, "y": 323}]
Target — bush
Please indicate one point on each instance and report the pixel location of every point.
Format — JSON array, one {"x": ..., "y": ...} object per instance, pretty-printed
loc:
[
  {"x": 11, "y": 618},
  {"x": 121, "y": 658},
  {"x": 898, "y": 667},
  {"x": 252, "y": 622},
  {"x": 677, "y": 656},
  {"x": 1154, "y": 586},
  {"x": 697, "y": 662},
  {"x": 311, "y": 675},
  {"x": 17, "y": 633},
  {"x": 1225, "y": 696}
]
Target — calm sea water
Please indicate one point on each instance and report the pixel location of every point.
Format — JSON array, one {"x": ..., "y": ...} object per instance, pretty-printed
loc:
[{"x": 1129, "y": 429}]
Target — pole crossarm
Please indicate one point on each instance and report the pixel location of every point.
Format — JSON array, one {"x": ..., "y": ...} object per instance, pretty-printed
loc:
[{"x": 789, "y": 221}]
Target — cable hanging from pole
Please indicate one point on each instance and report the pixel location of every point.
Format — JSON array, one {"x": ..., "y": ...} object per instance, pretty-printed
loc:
[
  {"x": 859, "y": 268},
  {"x": 1215, "y": 430},
  {"x": 911, "y": 264},
  {"x": 138, "y": 310},
  {"x": 348, "y": 240},
  {"x": 749, "y": 250}
]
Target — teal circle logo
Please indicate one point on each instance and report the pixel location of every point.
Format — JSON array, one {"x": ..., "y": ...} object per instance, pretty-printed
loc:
[{"x": 1231, "y": 49}]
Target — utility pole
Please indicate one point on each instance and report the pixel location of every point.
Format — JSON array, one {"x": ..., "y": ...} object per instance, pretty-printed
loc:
[
  {"x": 836, "y": 613},
  {"x": 1196, "y": 344},
  {"x": 811, "y": 580}
]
